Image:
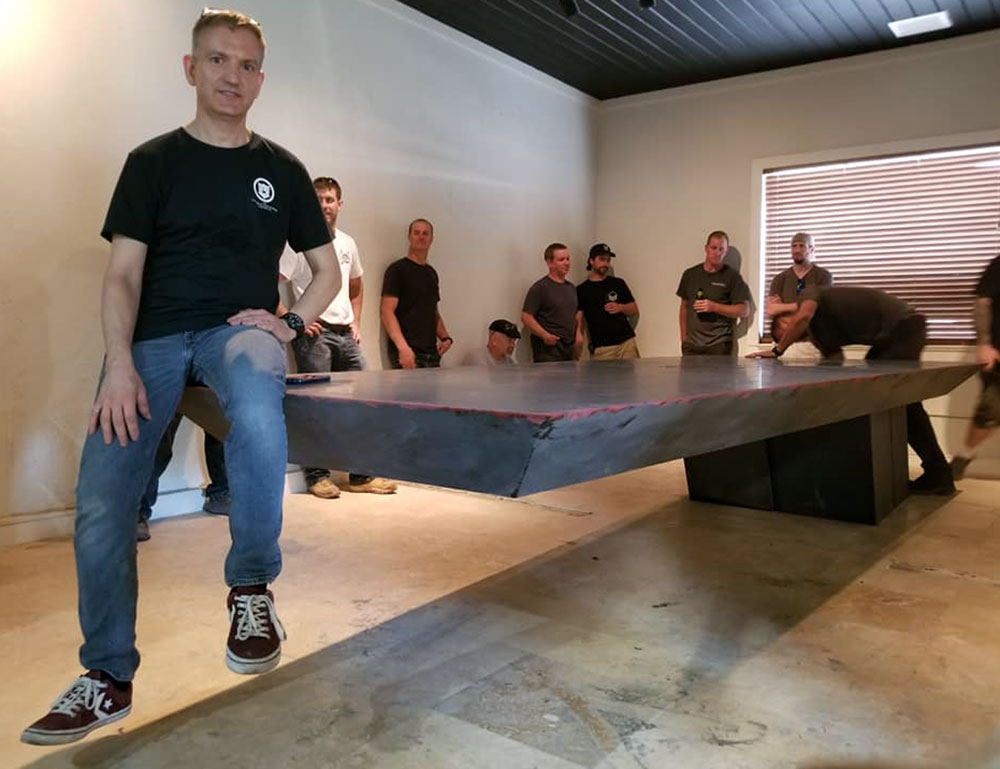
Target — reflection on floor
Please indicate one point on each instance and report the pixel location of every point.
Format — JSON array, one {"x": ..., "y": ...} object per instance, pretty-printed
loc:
[{"x": 611, "y": 624}]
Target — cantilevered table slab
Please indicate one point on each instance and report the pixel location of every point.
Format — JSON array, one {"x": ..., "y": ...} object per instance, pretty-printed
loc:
[{"x": 517, "y": 430}]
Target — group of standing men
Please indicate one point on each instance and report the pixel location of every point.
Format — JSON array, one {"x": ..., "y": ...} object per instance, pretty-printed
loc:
[
  {"x": 554, "y": 311},
  {"x": 803, "y": 304}
]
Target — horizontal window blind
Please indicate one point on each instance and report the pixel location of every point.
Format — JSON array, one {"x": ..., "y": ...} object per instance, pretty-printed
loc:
[{"x": 921, "y": 227}]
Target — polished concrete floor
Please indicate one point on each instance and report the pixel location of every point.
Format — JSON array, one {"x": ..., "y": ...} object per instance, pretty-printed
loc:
[{"x": 607, "y": 625}]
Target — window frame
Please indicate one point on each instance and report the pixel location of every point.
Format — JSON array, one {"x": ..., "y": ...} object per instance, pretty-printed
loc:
[{"x": 845, "y": 155}]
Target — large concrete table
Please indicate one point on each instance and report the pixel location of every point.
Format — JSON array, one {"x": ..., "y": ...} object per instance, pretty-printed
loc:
[{"x": 821, "y": 439}]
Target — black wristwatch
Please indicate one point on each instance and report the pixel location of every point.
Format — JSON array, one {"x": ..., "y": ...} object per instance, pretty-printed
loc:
[
  {"x": 776, "y": 352},
  {"x": 295, "y": 323}
]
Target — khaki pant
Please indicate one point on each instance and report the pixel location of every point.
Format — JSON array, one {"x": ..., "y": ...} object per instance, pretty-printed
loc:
[{"x": 627, "y": 350}]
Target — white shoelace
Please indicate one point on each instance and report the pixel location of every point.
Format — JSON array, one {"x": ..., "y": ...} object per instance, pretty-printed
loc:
[
  {"x": 83, "y": 692},
  {"x": 255, "y": 611}
]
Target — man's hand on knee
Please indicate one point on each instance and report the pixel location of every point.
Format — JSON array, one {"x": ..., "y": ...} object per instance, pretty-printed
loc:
[
  {"x": 266, "y": 321},
  {"x": 120, "y": 396}
]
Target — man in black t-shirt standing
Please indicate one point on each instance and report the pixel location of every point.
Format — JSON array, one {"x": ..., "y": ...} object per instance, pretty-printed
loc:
[
  {"x": 843, "y": 315},
  {"x": 549, "y": 311},
  {"x": 606, "y": 303},
  {"x": 713, "y": 295},
  {"x": 197, "y": 223},
  {"x": 986, "y": 417},
  {"x": 410, "y": 296}
]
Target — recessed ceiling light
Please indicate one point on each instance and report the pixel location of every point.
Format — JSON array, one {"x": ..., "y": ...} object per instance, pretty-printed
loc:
[
  {"x": 919, "y": 25},
  {"x": 569, "y": 7}
]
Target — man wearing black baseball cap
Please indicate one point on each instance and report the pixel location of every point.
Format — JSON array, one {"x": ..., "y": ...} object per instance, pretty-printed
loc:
[
  {"x": 606, "y": 303},
  {"x": 499, "y": 350}
]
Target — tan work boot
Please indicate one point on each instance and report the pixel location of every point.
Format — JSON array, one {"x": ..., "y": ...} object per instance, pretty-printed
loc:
[
  {"x": 324, "y": 488},
  {"x": 373, "y": 486}
]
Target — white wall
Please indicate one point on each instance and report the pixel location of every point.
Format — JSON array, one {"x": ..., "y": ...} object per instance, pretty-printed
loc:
[
  {"x": 674, "y": 165},
  {"x": 413, "y": 118}
]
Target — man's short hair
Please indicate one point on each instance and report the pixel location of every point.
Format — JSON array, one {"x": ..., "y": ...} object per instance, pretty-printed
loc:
[
  {"x": 803, "y": 237},
  {"x": 550, "y": 250},
  {"x": 328, "y": 183},
  {"x": 716, "y": 234},
  {"x": 219, "y": 17},
  {"x": 409, "y": 230}
]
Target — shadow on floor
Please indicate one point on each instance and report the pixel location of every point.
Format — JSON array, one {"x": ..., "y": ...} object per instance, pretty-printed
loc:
[{"x": 613, "y": 651}]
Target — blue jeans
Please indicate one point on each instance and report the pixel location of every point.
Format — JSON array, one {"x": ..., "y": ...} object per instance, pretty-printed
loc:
[
  {"x": 215, "y": 461},
  {"x": 245, "y": 367},
  {"x": 333, "y": 350}
]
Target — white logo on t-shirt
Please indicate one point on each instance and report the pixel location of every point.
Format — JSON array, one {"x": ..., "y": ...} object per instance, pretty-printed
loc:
[{"x": 263, "y": 189}]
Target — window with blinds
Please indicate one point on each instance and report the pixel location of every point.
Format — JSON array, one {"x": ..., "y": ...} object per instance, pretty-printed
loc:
[{"x": 921, "y": 227}]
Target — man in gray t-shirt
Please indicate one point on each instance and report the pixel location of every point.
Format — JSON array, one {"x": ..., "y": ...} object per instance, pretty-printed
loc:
[
  {"x": 787, "y": 286},
  {"x": 549, "y": 311},
  {"x": 713, "y": 296}
]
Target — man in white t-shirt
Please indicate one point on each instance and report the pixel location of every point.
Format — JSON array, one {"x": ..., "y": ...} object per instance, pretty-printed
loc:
[{"x": 331, "y": 343}]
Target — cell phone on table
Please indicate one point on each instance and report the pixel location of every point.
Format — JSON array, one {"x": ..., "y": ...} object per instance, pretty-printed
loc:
[{"x": 311, "y": 378}]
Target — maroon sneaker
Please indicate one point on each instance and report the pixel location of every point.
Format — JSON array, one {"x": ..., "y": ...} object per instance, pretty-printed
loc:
[
  {"x": 255, "y": 632},
  {"x": 90, "y": 702}
]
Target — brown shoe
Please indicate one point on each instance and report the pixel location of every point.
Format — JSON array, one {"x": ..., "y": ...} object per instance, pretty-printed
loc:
[
  {"x": 373, "y": 486},
  {"x": 90, "y": 702},
  {"x": 324, "y": 488},
  {"x": 255, "y": 632}
]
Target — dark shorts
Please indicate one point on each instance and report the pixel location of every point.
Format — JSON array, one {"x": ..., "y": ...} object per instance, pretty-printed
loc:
[{"x": 987, "y": 414}]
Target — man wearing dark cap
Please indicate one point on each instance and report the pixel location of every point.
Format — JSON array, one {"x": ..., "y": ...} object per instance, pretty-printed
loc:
[
  {"x": 499, "y": 350},
  {"x": 843, "y": 315},
  {"x": 606, "y": 303}
]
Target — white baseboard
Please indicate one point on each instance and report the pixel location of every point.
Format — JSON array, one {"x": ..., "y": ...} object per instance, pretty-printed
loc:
[
  {"x": 31, "y": 527},
  {"x": 58, "y": 524}
]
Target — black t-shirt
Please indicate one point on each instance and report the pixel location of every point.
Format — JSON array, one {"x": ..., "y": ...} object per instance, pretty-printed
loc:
[
  {"x": 553, "y": 305},
  {"x": 989, "y": 286},
  {"x": 852, "y": 315},
  {"x": 605, "y": 329},
  {"x": 726, "y": 286},
  {"x": 215, "y": 221},
  {"x": 416, "y": 288}
]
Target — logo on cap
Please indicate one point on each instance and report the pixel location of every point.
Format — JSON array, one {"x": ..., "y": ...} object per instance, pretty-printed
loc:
[
  {"x": 506, "y": 328},
  {"x": 600, "y": 249}
]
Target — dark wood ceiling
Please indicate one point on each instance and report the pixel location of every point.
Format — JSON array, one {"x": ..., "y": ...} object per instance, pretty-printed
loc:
[{"x": 613, "y": 48}]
